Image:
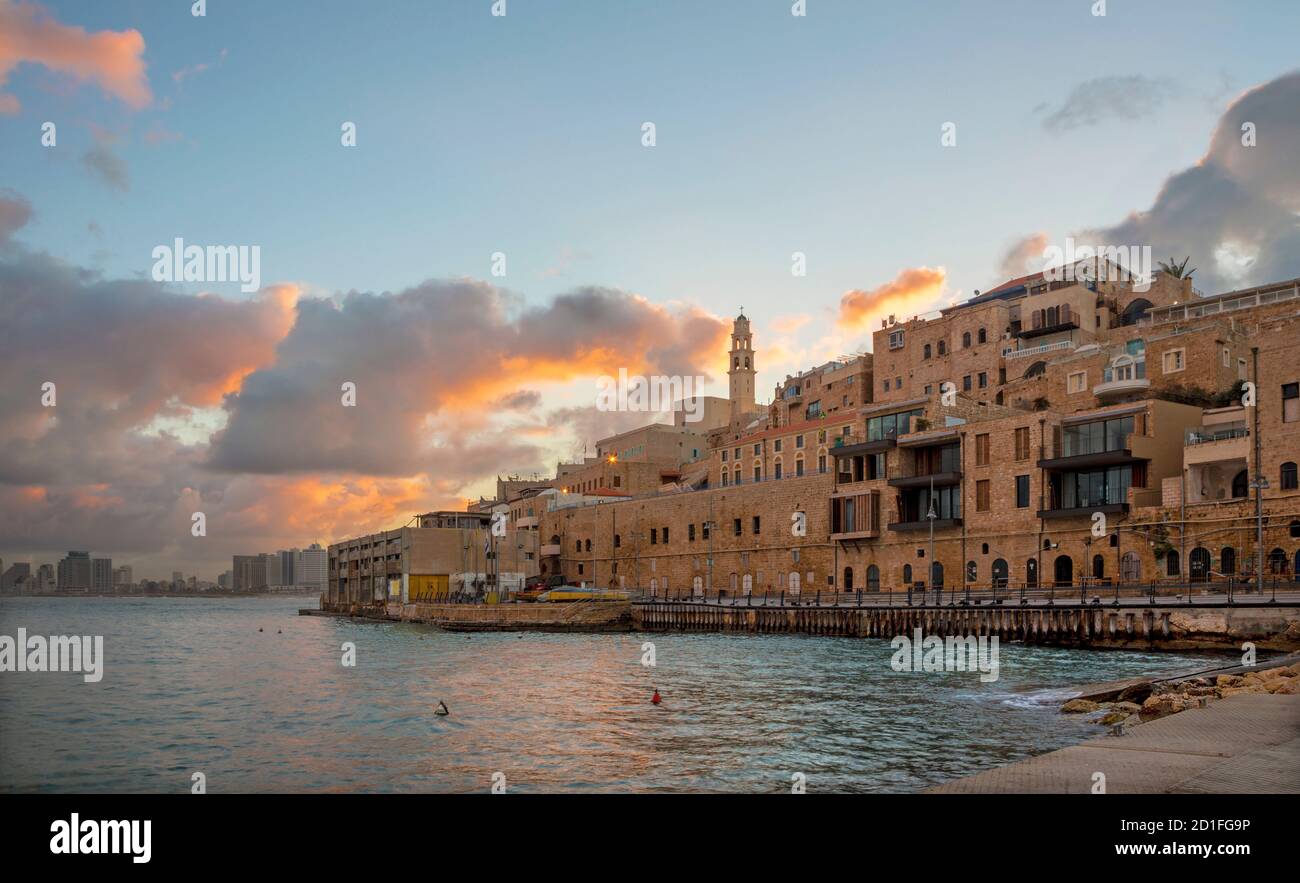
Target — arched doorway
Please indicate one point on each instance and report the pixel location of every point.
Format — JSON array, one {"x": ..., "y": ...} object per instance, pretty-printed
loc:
[
  {"x": 873, "y": 578},
  {"x": 794, "y": 582},
  {"x": 1000, "y": 572},
  {"x": 1198, "y": 565},
  {"x": 747, "y": 585},
  {"x": 848, "y": 579},
  {"x": 697, "y": 586},
  {"x": 1064, "y": 570},
  {"x": 1031, "y": 573},
  {"x": 1240, "y": 485},
  {"x": 1173, "y": 564},
  {"x": 907, "y": 574},
  {"x": 936, "y": 574},
  {"x": 1277, "y": 562},
  {"x": 1098, "y": 567},
  {"x": 1228, "y": 560},
  {"x": 1130, "y": 568}
]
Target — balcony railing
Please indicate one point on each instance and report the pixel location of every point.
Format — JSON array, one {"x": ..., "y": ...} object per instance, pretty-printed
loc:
[
  {"x": 1010, "y": 353},
  {"x": 1204, "y": 434}
]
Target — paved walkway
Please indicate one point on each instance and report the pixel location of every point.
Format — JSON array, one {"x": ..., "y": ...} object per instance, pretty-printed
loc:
[{"x": 1248, "y": 743}]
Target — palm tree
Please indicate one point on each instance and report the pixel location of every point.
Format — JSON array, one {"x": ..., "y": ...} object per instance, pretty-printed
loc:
[{"x": 1176, "y": 269}]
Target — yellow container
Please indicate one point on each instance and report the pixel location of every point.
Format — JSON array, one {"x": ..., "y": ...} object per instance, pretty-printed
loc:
[{"x": 428, "y": 586}]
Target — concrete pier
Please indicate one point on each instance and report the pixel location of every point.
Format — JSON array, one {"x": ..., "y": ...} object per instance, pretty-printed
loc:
[{"x": 1174, "y": 627}]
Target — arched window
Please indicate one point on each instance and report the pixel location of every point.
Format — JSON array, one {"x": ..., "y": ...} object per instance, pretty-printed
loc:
[
  {"x": 1289, "y": 482},
  {"x": 747, "y": 584},
  {"x": 848, "y": 579},
  {"x": 965, "y": 340},
  {"x": 983, "y": 337},
  {"x": 936, "y": 574},
  {"x": 1228, "y": 560},
  {"x": 926, "y": 351},
  {"x": 588, "y": 545},
  {"x": 654, "y": 587},
  {"x": 794, "y": 582},
  {"x": 1000, "y": 572},
  {"x": 1136, "y": 309},
  {"x": 1173, "y": 565},
  {"x": 1240, "y": 485},
  {"x": 618, "y": 541},
  {"x": 1031, "y": 573},
  {"x": 1130, "y": 568},
  {"x": 1277, "y": 562},
  {"x": 1064, "y": 570},
  {"x": 1035, "y": 369},
  {"x": 907, "y": 574},
  {"x": 972, "y": 572},
  {"x": 943, "y": 347},
  {"x": 873, "y": 578},
  {"x": 1198, "y": 564},
  {"x": 697, "y": 586},
  {"x": 1098, "y": 567},
  {"x": 577, "y": 545}
]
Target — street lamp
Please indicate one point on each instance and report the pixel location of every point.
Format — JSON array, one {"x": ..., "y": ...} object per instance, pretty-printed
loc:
[
  {"x": 1259, "y": 483},
  {"x": 930, "y": 516}
]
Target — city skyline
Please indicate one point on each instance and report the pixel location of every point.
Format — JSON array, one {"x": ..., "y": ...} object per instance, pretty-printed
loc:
[{"x": 175, "y": 398}]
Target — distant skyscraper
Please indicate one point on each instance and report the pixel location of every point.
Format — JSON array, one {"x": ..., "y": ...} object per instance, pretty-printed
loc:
[
  {"x": 249, "y": 572},
  {"x": 310, "y": 567},
  {"x": 271, "y": 561},
  {"x": 122, "y": 576},
  {"x": 45, "y": 580},
  {"x": 74, "y": 572},
  {"x": 101, "y": 574},
  {"x": 12, "y": 578},
  {"x": 288, "y": 560}
]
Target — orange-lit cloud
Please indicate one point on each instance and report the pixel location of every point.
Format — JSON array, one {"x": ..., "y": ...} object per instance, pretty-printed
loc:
[
  {"x": 112, "y": 60},
  {"x": 912, "y": 291}
]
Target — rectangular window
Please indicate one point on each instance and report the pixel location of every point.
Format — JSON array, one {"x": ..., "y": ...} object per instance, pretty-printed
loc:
[
  {"x": 798, "y": 468},
  {"x": 1290, "y": 402},
  {"x": 1077, "y": 382},
  {"x": 1227, "y": 358},
  {"x": 982, "y": 495},
  {"x": 821, "y": 464},
  {"x": 982, "y": 449},
  {"x": 1241, "y": 369},
  {"x": 690, "y": 533},
  {"x": 1172, "y": 361},
  {"x": 735, "y": 526},
  {"x": 1022, "y": 491},
  {"x": 757, "y": 527},
  {"x": 1022, "y": 443},
  {"x": 704, "y": 531},
  {"x": 776, "y": 447},
  {"x": 965, "y": 383},
  {"x": 984, "y": 380},
  {"x": 798, "y": 442},
  {"x": 895, "y": 340},
  {"x": 654, "y": 536},
  {"x": 724, "y": 456},
  {"x": 665, "y": 536}
]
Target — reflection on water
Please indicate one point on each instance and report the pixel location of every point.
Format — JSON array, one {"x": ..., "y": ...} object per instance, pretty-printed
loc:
[{"x": 192, "y": 685}]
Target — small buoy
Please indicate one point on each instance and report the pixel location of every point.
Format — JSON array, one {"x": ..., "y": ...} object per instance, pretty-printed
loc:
[
  {"x": 441, "y": 710},
  {"x": 655, "y": 698},
  {"x": 259, "y": 630},
  {"x": 279, "y": 631}
]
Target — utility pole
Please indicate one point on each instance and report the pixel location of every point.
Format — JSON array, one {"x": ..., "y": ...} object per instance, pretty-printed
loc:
[
  {"x": 710, "y": 526},
  {"x": 1260, "y": 481}
]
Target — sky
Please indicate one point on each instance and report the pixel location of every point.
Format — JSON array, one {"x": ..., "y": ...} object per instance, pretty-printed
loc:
[{"x": 523, "y": 136}]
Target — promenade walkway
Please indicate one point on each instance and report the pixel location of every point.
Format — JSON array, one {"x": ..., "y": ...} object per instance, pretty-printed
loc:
[{"x": 1243, "y": 744}]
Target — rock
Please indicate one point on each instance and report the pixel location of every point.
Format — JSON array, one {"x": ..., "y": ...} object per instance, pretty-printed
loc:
[
  {"x": 1227, "y": 681},
  {"x": 1251, "y": 678},
  {"x": 1130, "y": 707},
  {"x": 1289, "y": 687},
  {"x": 1113, "y": 717},
  {"x": 1080, "y": 706},
  {"x": 1269, "y": 674},
  {"x": 1161, "y": 706},
  {"x": 1137, "y": 692}
]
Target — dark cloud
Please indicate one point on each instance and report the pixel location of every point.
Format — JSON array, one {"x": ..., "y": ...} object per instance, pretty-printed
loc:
[
  {"x": 1234, "y": 212},
  {"x": 107, "y": 166},
  {"x": 15, "y": 212},
  {"x": 1105, "y": 98}
]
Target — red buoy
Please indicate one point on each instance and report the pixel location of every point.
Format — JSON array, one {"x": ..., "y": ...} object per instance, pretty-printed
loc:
[{"x": 655, "y": 698}]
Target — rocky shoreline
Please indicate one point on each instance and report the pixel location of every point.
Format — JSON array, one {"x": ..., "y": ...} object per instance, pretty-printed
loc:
[{"x": 1124, "y": 707}]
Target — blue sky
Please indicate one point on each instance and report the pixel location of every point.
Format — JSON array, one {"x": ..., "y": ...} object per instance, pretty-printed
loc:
[{"x": 522, "y": 134}]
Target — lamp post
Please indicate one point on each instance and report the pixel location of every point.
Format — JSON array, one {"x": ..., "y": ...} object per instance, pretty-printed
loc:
[{"x": 930, "y": 516}]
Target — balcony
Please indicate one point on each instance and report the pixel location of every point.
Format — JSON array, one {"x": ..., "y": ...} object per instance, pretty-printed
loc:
[
  {"x": 1009, "y": 353},
  {"x": 900, "y": 478},
  {"x": 1121, "y": 387},
  {"x": 1043, "y": 330},
  {"x": 1085, "y": 511},
  {"x": 939, "y": 524},
  {"x": 528, "y": 522}
]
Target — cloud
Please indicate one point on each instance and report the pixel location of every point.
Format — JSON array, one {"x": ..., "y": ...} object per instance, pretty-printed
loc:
[
  {"x": 1104, "y": 98},
  {"x": 15, "y": 212},
  {"x": 1023, "y": 256},
  {"x": 112, "y": 60},
  {"x": 1235, "y": 211},
  {"x": 107, "y": 165},
  {"x": 523, "y": 400},
  {"x": 474, "y": 343},
  {"x": 160, "y": 134},
  {"x": 913, "y": 290},
  {"x": 790, "y": 324}
]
